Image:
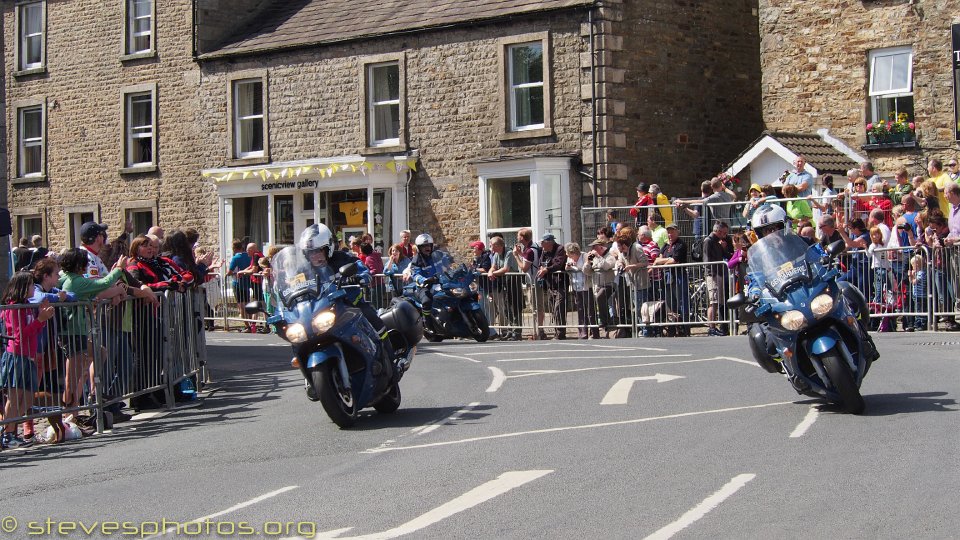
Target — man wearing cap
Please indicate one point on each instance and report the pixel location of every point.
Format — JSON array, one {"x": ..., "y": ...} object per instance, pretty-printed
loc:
[
  {"x": 599, "y": 268},
  {"x": 644, "y": 199},
  {"x": 675, "y": 280},
  {"x": 553, "y": 270},
  {"x": 93, "y": 236}
]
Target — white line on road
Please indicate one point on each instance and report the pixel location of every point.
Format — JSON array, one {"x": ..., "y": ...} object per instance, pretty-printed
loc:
[
  {"x": 739, "y": 360},
  {"x": 619, "y": 393},
  {"x": 233, "y": 508},
  {"x": 573, "y": 428},
  {"x": 456, "y": 356},
  {"x": 807, "y": 421},
  {"x": 499, "y": 377},
  {"x": 588, "y": 358},
  {"x": 703, "y": 508},
  {"x": 480, "y": 494},
  {"x": 651, "y": 349},
  {"x": 532, "y": 372},
  {"x": 452, "y": 418}
]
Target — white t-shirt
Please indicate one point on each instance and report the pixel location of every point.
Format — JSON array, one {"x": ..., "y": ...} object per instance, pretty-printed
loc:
[{"x": 95, "y": 267}]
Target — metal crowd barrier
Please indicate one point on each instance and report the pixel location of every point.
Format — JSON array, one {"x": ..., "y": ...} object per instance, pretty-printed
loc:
[{"x": 96, "y": 354}]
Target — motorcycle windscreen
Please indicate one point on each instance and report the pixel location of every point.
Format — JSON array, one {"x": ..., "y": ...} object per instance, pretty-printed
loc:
[
  {"x": 779, "y": 260},
  {"x": 457, "y": 276},
  {"x": 295, "y": 276}
]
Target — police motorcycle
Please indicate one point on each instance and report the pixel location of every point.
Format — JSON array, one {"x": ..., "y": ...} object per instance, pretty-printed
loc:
[
  {"x": 345, "y": 364},
  {"x": 448, "y": 297},
  {"x": 811, "y": 328}
]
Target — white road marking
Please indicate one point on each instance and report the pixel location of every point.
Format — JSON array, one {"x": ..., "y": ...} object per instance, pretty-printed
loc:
[
  {"x": 457, "y": 357},
  {"x": 619, "y": 393},
  {"x": 617, "y": 347},
  {"x": 499, "y": 377},
  {"x": 480, "y": 494},
  {"x": 452, "y": 418},
  {"x": 233, "y": 508},
  {"x": 739, "y": 360},
  {"x": 651, "y": 349},
  {"x": 588, "y": 358},
  {"x": 807, "y": 421},
  {"x": 703, "y": 508},
  {"x": 574, "y": 428},
  {"x": 532, "y": 372}
]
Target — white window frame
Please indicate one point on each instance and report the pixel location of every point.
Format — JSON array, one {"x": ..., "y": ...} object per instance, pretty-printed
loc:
[
  {"x": 237, "y": 120},
  {"x": 877, "y": 95},
  {"x": 130, "y": 33},
  {"x": 23, "y": 144},
  {"x": 136, "y": 132},
  {"x": 541, "y": 171},
  {"x": 373, "y": 105},
  {"x": 22, "y": 47},
  {"x": 513, "y": 87}
]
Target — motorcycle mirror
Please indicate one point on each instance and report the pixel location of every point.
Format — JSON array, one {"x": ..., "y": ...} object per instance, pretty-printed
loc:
[
  {"x": 736, "y": 301},
  {"x": 254, "y": 307},
  {"x": 836, "y": 248},
  {"x": 348, "y": 270}
]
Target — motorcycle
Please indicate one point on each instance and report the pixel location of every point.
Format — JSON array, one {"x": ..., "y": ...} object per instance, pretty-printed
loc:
[
  {"x": 812, "y": 320},
  {"x": 345, "y": 364},
  {"x": 456, "y": 310}
]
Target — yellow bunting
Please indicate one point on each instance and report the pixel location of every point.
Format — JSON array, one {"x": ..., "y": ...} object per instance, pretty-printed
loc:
[
  {"x": 246, "y": 174},
  {"x": 392, "y": 166},
  {"x": 307, "y": 169},
  {"x": 205, "y": 174},
  {"x": 412, "y": 165}
]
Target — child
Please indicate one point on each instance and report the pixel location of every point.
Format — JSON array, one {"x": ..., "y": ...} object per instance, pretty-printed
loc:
[
  {"x": 879, "y": 262},
  {"x": 18, "y": 370},
  {"x": 918, "y": 291}
]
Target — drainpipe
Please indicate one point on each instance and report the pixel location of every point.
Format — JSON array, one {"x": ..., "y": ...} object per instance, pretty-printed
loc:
[{"x": 593, "y": 108}]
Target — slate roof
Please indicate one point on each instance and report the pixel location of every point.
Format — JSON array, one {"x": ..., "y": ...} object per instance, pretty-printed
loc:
[
  {"x": 821, "y": 155},
  {"x": 297, "y": 23}
]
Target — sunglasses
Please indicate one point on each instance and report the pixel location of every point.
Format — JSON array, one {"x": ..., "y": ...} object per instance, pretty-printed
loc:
[{"x": 951, "y": 164}]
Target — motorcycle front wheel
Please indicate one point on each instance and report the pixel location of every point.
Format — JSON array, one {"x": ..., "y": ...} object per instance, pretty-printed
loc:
[
  {"x": 337, "y": 400},
  {"x": 390, "y": 402},
  {"x": 479, "y": 326},
  {"x": 842, "y": 381}
]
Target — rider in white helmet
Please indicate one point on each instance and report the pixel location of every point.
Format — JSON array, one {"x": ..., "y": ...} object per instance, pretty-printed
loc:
[{"x": 425, "y": 268}]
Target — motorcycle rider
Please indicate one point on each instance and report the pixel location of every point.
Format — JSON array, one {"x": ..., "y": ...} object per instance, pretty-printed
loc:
[
  {"x": 425, "y": 269},
  {"x": 319, "y": 247},
  {"x": 768, "y": 219}
]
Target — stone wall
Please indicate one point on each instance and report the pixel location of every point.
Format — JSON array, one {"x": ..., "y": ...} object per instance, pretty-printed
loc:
[
  {"x": 814, "y": 56},
  {"x": 684, "y": 95},
  {"x": 82, "y": 88}
]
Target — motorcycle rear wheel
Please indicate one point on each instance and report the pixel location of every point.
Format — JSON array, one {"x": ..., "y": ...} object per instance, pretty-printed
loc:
[
  {"x": 843, "y": 382},
  {"x": 338, "y": 402},
  {"x": 390, "y": 402},
  {"x": 479, "y": 326}
]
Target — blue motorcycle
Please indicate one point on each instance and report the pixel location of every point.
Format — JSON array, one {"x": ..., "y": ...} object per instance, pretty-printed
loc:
[
  {"x": 345, "y": 364},
  {"x": 455, "y": 311},
  {"x": 811, "y": 327}
]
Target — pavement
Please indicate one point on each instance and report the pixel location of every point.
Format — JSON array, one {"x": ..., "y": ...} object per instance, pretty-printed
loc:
[{"x": 631, "y": 438}]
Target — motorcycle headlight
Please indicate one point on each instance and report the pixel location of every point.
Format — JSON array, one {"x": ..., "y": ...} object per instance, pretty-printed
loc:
[
  {"x": 793, "y": 320},
  {"x": 296, "y": 333},
  {"x": 323, "y": 321},
  {"x": 821, "y": 305},
  {"x": 457, "y": 291}
]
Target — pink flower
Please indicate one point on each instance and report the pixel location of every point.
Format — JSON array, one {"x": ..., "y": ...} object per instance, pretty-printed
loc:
[
  {"x": 912, "y": 126},
  {"x": 869, "y": 126},
  {"x": 889, "y": 127}
]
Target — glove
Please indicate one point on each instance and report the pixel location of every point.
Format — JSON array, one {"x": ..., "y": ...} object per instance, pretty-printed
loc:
[{"x": 433, "y": 280}]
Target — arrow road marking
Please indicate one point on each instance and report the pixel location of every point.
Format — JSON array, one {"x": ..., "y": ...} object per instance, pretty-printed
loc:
[
  {"x": 619, "y": 393},
  {"x": 703, "y": 508},
  {"x": 480, "y": 494},
  {"x": 499, "y": 377}
]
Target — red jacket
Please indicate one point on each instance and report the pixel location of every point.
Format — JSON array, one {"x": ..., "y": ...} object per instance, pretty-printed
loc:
[{"x": 160, "y": 274}]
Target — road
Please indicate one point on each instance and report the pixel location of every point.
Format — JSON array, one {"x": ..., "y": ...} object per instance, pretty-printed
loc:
[{"x": 635, "y": 438}]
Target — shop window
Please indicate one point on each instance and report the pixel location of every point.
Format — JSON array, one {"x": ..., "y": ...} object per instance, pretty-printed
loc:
[
  {"x": 531, "y": 193},
  {"x": 891, "y": 84},
  {"x": 508, "y": 204},
  {"x": 249, "y": 220},
  {"x": 283, "y": 220}
]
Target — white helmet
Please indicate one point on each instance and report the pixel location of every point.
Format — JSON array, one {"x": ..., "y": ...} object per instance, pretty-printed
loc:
[
  {"x": 422, "y": 241},
  {"x": 768, "y": 218},
  {"x": 314, "y": 237}
]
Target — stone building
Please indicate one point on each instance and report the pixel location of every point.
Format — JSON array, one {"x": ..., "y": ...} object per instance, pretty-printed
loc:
[
  {"x": 840, "y": 65},
  {"x": 255, "y": 118}
]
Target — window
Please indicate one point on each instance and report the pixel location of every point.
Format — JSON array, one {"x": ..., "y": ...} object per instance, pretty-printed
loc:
[
  {"x": 283, "y": 220},
  {"x": 138, "y": 37},
  {"x": 139, "y": 120},
  {"x": 248, "y": 118},
  {"x": 74, "y": 221},
  {"x": 525, "y": 193},
  {"x": 30, "y": 137},
  {"x": 30, "y": 225},
  {"x": 384, "y": 104},
  {"x": 891, "y": 83},
  {"x": 141, "y": 218},
  {"x": 30, "y": 27},
  {"x": 526, "y": 86}
]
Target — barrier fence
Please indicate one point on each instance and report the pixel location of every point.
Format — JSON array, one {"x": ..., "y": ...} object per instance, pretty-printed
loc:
[{"x": 93, "y": 355}]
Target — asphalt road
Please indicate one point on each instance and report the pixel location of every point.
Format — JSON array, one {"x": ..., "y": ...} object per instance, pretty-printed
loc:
[{"x": 644, "y": 438}]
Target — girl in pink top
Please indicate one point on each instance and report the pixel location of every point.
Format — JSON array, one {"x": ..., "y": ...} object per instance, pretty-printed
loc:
[{"x": 18, "y": 370}]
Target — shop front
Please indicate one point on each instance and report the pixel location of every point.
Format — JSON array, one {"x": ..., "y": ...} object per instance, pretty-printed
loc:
[{"x": 271, "y": 204}]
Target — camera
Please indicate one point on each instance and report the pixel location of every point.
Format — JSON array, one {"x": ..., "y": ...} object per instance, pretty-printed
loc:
[{"x": 903, "y": 226}]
